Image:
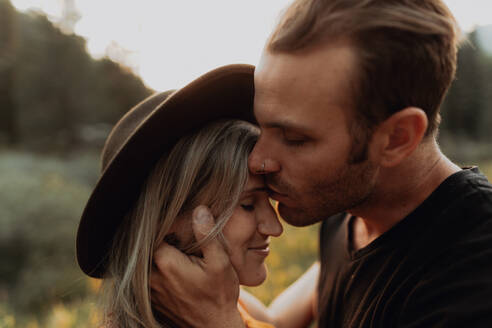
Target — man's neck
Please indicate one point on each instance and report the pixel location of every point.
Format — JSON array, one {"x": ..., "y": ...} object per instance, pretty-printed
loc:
[{"x": 399, "y": 191}]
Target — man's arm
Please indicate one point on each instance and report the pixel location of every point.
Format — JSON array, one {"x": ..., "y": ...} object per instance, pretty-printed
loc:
[
  {"x": 293, "y": 308},
  {"x": 193, "y": 291}
]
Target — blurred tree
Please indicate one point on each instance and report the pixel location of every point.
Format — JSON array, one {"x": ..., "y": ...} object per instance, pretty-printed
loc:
[
  {"x": 486, "y": 123},
  {"x": 57, "y": 90},
  {"x": 70, "y": 16},
  {"x": 465, "y": 109},
  {"x": 51, "y": 90},
  {"x": 8, "y": 49}
]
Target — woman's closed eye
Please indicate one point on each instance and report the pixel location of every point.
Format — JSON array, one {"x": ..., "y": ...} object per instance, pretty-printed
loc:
[
  {"x": 253, "y": 197},
  {"x": 248, "y": 207}
]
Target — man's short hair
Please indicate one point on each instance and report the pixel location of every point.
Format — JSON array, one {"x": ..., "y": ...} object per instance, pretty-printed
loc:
[{"x": 406, "y": 52}]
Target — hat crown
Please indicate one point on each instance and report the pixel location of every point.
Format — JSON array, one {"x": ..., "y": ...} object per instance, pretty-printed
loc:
[
  {"x": 141, "y": 137},
  {"x": 128, "y": 124}
]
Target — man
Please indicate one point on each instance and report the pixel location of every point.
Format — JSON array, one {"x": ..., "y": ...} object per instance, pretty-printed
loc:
[{"x": 347, "y": 95}]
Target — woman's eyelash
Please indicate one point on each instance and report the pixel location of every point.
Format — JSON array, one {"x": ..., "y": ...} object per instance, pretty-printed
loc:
[{"x": 248, "y": 207}]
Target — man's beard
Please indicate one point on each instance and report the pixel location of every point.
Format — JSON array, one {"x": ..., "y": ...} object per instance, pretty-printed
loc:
[{"x": 323, "y": 198}]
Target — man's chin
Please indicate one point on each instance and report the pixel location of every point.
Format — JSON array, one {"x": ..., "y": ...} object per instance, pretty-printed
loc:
[{"x": 296, "y": 217}]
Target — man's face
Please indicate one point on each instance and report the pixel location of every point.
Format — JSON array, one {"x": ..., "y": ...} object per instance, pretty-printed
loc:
[{"x": 303, "y": 105}]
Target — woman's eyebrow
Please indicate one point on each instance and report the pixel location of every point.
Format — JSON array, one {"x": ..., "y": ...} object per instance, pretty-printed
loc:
[{"x": 255, "y": 189}]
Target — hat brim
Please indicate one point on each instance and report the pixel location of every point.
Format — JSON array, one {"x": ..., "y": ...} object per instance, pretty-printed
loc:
[{"x": 224, "y": 93}]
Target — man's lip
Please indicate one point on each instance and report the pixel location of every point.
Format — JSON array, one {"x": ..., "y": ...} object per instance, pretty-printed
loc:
[
  {"x": 273, "y": 191},
  {"x": 277, "y": 196}
]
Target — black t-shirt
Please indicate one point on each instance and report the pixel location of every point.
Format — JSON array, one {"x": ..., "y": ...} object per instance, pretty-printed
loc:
[{"x": 432, "y": 269}]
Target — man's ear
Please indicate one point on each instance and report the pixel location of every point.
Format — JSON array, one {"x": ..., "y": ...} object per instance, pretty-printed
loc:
[{"x": 398, "y": 136}]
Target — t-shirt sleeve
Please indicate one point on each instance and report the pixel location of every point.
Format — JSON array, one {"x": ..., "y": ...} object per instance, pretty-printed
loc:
[{"x": 457, "y": 290}]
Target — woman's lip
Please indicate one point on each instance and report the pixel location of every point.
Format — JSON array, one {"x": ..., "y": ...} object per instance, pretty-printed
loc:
[
  {"x": 263, "y": 251},
  {"x": 265, "y": 246}
]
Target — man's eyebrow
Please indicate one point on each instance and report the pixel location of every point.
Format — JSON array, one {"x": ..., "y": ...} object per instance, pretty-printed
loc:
[{"x": 285, "y": 125}]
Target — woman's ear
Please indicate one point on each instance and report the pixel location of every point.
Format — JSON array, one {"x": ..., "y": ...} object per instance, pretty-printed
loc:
[
  {"x": 180, "y": 234},
  {"x": 172, "y": 240},
  {"x": 399, "y": 135}
]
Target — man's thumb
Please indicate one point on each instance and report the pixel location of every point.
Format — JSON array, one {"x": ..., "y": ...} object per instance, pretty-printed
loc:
[
  {"x": 213, "y": 251},
  {"x": 203, "y": 222}
]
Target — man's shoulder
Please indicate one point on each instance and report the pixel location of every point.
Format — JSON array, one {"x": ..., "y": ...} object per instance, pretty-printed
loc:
[
  {"x": 469, "y": 185},
  {"x": 459, "y": 221},
  {"x": 462, "y": 203},
  {"x": 459, "y": 244}
]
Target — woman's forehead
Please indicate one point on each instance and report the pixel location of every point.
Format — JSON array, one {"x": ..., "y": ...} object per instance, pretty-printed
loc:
[{"x": 255, "y": 183}]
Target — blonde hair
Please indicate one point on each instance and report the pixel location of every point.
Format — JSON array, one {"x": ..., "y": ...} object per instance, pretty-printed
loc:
[
  {"x": 406, "y": 52},
  {"x": 207, "y": 167}
]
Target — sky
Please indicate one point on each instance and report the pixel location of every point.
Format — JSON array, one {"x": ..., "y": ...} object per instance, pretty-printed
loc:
[{"x": 170, "y": 42}]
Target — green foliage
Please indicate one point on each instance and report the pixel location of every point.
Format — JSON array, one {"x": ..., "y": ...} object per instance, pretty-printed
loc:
[{"x": 41, "y": 200}]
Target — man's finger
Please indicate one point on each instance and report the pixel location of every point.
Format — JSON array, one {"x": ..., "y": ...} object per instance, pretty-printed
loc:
[
  {"x": 167, "y": 257},
  {"x": 156, "y": 281},
  {"x": 213, "y": 251}
]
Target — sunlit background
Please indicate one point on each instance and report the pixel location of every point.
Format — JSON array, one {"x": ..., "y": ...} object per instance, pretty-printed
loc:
[
  {"x": 168, "y": 43},
  {"x": 69, "y": 69}
]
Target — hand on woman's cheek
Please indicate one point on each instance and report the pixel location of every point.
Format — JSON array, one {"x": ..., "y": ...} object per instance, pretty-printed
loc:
[{"x": 181, "y": 283}]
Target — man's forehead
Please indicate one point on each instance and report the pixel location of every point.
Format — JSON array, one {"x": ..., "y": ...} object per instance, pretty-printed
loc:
[
  {"x": 304, "y": 90},
  {"x": 324, "y": 72},
  {"x": 306, "y": 119}
]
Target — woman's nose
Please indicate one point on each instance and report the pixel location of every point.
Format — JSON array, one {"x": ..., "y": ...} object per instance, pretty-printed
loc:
[{"x": 269, "y": 224}]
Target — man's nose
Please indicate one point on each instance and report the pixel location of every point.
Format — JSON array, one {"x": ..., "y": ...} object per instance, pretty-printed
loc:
[{"x": 262, "y": 160}]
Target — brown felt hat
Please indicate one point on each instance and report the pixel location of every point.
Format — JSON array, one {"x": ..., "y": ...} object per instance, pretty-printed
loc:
[{"x": 139, "y": 140}]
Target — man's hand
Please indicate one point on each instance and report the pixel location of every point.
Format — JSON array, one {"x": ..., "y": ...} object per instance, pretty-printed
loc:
[{"x": 193, "y": 291}]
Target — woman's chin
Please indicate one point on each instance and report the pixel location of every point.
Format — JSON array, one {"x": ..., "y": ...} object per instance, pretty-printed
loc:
[{"x": 253, "y": 278}]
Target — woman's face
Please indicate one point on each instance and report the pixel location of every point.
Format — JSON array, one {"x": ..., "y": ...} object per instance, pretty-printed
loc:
[{"x": 248, "y": 232}]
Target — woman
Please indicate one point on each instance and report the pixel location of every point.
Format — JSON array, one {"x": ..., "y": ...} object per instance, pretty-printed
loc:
[
  {"x": 164, "y": 158},
  {"x": 208, "y": 167}
]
